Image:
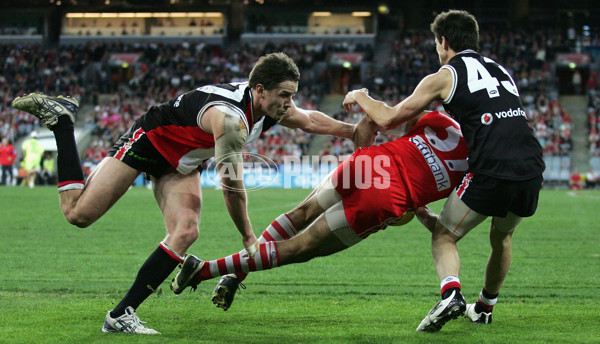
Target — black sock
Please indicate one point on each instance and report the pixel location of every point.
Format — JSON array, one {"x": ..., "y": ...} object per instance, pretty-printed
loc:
[
  {"x": 68, "y": 163},
  {"x": 154, "y": 271},
  {"x": 488, "y": 295},
  {"x": 447, "y": 292}
]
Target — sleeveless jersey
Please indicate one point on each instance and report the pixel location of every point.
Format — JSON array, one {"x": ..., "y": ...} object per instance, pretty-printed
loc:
[
  {"x": 485, "y": 101},
  {"x": 431, "y": 158},
  {"x": 175, "y": 130}
]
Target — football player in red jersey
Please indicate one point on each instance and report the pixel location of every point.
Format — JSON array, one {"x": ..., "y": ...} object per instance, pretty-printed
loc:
[
  {"x": 505, "y": 160},
  {"x": 375, "y": 187},
  {"x": 169, "y": 142}
]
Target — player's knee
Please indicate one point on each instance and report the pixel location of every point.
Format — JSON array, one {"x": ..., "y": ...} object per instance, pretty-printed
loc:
[
  {"x": 499, "y": 239},
  {"x": 78, "y": 219},
  {"x": 187, "y": 229},
  {"x": 441, "y": 234},
  {"x": 298, "y": 216},
  {"x": 305, "y": 213}
]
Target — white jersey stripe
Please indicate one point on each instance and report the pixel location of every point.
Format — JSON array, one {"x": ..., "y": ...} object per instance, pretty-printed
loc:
[
  {"x": 454, "y": 83},
  {"x": 224, "y": 107},
  {"x": 238, "y": 95}
]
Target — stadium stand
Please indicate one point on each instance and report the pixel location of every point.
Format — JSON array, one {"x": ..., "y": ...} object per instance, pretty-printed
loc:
[{"x": 124, "y": 76}]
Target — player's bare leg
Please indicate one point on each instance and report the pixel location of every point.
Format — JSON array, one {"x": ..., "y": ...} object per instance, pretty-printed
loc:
[
  {"x": 105, "y": 185},
  {"x": 460, "y": 219},
  {"x": 444, "y": 251},
  {"x": 499, "y": 260},
  {"x": 285, "y": 226},
  {"x": 179, "y": 198},
  {"x": 498, "y": 264},
  {"x": 316, "y": 241}
]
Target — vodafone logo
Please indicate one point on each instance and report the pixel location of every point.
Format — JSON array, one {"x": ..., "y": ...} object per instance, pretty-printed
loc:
[{"x": 487, "y": 118}]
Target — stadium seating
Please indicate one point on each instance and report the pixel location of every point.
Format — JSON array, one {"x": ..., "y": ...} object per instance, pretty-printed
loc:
[{"x": 162, "y": 71}]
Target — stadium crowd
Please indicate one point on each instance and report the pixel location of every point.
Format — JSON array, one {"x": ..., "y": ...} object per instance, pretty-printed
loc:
[
  {"x": 163, "y": 71},
  {"x": 526, "y": 55}
]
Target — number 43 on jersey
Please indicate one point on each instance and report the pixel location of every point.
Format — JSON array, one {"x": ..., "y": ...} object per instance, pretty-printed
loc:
[{"x": 479, "y": 78}]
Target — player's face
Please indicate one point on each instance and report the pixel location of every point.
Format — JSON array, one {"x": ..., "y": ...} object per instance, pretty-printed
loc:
[{"x": 278, "y": 100}]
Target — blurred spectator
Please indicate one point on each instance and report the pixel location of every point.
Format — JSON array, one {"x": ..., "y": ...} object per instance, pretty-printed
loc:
[
  {"x": 47, "y": 176},
  {"x": 8, "y": 155},
  {"x": 576, "y": 180},
  {"x": 590, "y": 179},
  {"x": 32, "y": 156}
]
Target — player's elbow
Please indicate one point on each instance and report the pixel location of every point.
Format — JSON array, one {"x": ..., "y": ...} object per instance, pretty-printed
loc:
[
  {"x": 400, "y": 114},
  {"x": 386, "y": 124}
]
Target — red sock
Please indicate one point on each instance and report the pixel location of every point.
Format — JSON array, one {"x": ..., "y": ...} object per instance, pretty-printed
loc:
[
  {"x": 448, "y": 283},
  {"x": 281, "y": 228},
  {"x": 265, "y": 258}
]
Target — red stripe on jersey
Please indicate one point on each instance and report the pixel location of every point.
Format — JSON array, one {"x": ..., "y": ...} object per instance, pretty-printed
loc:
[
  {"x": 264, "y": 257},
  {"x": 67, "y": 182},
  {"x": 127, "y": 146},
  {"x": 280, "y": 230},
  {"x": 464, "y": 185},
  {"x": 222, "y": 266},
  {"x": 173, "y": 142}
]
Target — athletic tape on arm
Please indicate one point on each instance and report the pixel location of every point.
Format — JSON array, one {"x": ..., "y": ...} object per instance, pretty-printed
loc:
[{"x": 228, "y": 148}]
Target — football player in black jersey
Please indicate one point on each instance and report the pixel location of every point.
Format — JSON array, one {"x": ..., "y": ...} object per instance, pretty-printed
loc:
[
  {"x": 169, "y": 142},
  {"x": 505, "y": 160}
]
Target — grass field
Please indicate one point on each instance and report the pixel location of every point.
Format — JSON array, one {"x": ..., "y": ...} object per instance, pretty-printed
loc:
[{"x": 58, "y": 281}]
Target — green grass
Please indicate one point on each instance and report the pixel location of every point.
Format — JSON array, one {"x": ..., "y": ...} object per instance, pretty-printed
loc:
[{"x": 58, "y": 281}]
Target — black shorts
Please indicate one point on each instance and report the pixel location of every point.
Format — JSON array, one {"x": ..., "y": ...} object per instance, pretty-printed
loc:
[
  {"x": 135, "y": 149},
  {"x": 496, "y": 197}
]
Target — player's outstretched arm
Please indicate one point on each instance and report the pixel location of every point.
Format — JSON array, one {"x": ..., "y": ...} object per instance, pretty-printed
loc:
[
  {"x": 316, "y": 122},
  {"x": 433, "y": 86}
]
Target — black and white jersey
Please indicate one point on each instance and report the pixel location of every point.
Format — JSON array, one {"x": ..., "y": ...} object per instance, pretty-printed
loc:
[
  {"x": 485, "y": 101},
  {"x": 175, "y": 128}
]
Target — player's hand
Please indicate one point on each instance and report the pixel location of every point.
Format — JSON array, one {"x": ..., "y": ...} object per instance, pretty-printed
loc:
[
  {"x": 365, "y": 133},
  {"x": 427, "y": 217},
  {"x": 350, "y": 100},
  {"x": 251, "y": 246}
]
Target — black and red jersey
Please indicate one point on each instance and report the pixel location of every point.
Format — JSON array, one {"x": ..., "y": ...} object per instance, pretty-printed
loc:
[{"x": 175, "y": 129}]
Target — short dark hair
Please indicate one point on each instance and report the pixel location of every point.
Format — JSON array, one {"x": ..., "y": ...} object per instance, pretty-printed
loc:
[
  {"x": 272, "y": 69},
  {"x": 460, "y": 29}
]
